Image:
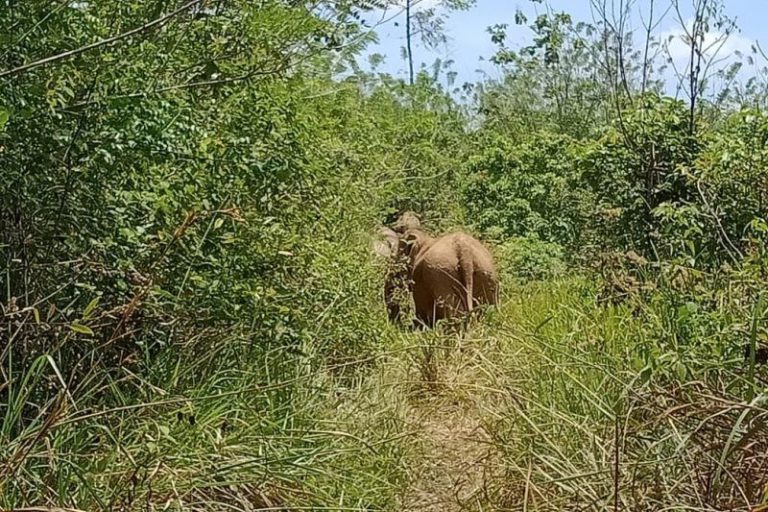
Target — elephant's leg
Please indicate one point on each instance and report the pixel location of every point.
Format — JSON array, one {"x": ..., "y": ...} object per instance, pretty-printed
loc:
[
  {"x": 441, "y": 311},
  {"x": 447, "y": 290},
  {"x": 450, "y": 306},
  {"x": 486, "y": 289},
  {"x": 393, "y": 309},
  {"x": 424, "y": 305}
]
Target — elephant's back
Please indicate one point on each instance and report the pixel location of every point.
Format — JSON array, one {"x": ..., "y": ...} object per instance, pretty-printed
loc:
[
  {"x": 441, "y": 253},
  {"x": 469, "y": 245},
  {"x": 485, "y": 278},
  {"x": 448, "y": 251}
]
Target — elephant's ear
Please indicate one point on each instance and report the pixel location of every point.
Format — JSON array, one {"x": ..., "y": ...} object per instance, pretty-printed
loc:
[
  {"x": 407, "y": 221},
  {"x": 385, "y": 244}
]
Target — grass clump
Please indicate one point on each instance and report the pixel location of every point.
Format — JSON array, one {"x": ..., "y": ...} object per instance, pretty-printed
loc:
[{"x": 608, "y": 406}]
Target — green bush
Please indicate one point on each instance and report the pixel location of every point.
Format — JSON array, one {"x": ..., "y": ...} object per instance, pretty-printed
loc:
[
  {"x": 185, "y": 221},
  {"x": 530, "y": 258},
  {"x": 528, "y": 189},
  {"x": 731, "y": 174},
  {"x": 638, "y": 165}
]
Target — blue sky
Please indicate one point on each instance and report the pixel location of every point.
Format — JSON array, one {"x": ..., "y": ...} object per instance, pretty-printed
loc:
[{"x": 469, "y": 40}]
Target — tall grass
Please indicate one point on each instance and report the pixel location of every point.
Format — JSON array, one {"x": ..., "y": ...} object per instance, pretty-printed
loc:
[
  {"x": 228, "y": 426},
  {"x": 657, "y": 403},
  {"x": 637, "y": 407}
]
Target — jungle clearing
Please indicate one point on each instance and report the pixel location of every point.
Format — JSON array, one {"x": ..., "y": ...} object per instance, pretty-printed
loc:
[{"x": 193, "y": 317}]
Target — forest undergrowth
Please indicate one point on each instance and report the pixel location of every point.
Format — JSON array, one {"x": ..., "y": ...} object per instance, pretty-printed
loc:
[{"x": 192, "y": 318}]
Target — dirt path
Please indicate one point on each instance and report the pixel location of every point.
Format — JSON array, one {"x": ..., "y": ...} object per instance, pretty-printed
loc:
[{"x": 457, "y": 460}]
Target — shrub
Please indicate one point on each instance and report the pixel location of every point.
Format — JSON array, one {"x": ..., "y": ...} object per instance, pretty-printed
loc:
[
  {"x": 530, "y": 258},
  {"x": 528, "y": 189},
  {"x": 637, "y": 165}
]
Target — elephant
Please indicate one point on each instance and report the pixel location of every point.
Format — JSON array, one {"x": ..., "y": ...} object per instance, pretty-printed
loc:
[
  {"x": 407, "y": 220},
  {"x": 450, "y": 275},
  {"x": 397, "y": 282}
]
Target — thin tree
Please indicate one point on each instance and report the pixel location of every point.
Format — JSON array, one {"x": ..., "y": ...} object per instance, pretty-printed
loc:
[
  {"x": 409, "y": 50},
  {"x": 428, "y": 25}
]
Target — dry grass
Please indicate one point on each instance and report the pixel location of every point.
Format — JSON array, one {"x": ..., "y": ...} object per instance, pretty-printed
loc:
[
  {"x": 552, "y": 402},
  {"x": 450, "y": 390}
]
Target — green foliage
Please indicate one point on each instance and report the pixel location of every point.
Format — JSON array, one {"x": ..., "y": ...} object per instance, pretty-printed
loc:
[
  {"x": 637, "y": 166},
  {"x": 530, "y": 258},
  {"x": 563, "y": 82},
  {"x": 527, "y": 190},
  {"x": 185, "y": 221},
  {"x": 731, "y": 172},
  {"x": 191, "y": 311},
  {"x": 414, "y": 144}
]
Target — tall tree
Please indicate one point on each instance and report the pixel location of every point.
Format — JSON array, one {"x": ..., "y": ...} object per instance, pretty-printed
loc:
[
  {"x": 408, "y": 40},
  {"x": 428, "y": 23}
]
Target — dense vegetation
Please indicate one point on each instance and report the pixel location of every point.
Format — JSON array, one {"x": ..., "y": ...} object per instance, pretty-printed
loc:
[{"x": 192, "y": 315}]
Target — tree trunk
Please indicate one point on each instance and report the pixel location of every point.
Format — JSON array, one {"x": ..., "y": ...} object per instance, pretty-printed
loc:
[{"x": 408, "y": 40}]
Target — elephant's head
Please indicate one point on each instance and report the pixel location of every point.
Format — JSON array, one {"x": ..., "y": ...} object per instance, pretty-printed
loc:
[
  {"x": 408, "y": 228},
  {"x": 386, "y": 243},
  {"x": 412, "y": 242},
  {"x": 408, "y": 220}
]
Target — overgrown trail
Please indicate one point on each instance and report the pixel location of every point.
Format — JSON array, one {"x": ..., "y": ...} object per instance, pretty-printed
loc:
[{"x": 457, "y": 462}]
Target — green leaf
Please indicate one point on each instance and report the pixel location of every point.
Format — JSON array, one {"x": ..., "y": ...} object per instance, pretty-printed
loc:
[
  {"x": 80, "y": 328},
  {"x": 90, "y": 307},
  {"x": 5, "y": 116},
  {"x": 681, "y": 371}
]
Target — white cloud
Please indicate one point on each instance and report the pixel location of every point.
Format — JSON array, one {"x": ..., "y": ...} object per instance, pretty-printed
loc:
[
  {"x": 721, "y": 50},
  {"x": 716, "y": 44}
]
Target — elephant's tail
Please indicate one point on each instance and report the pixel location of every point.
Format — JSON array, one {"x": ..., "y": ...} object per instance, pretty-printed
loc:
[{"x": 467, "y": 269}]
